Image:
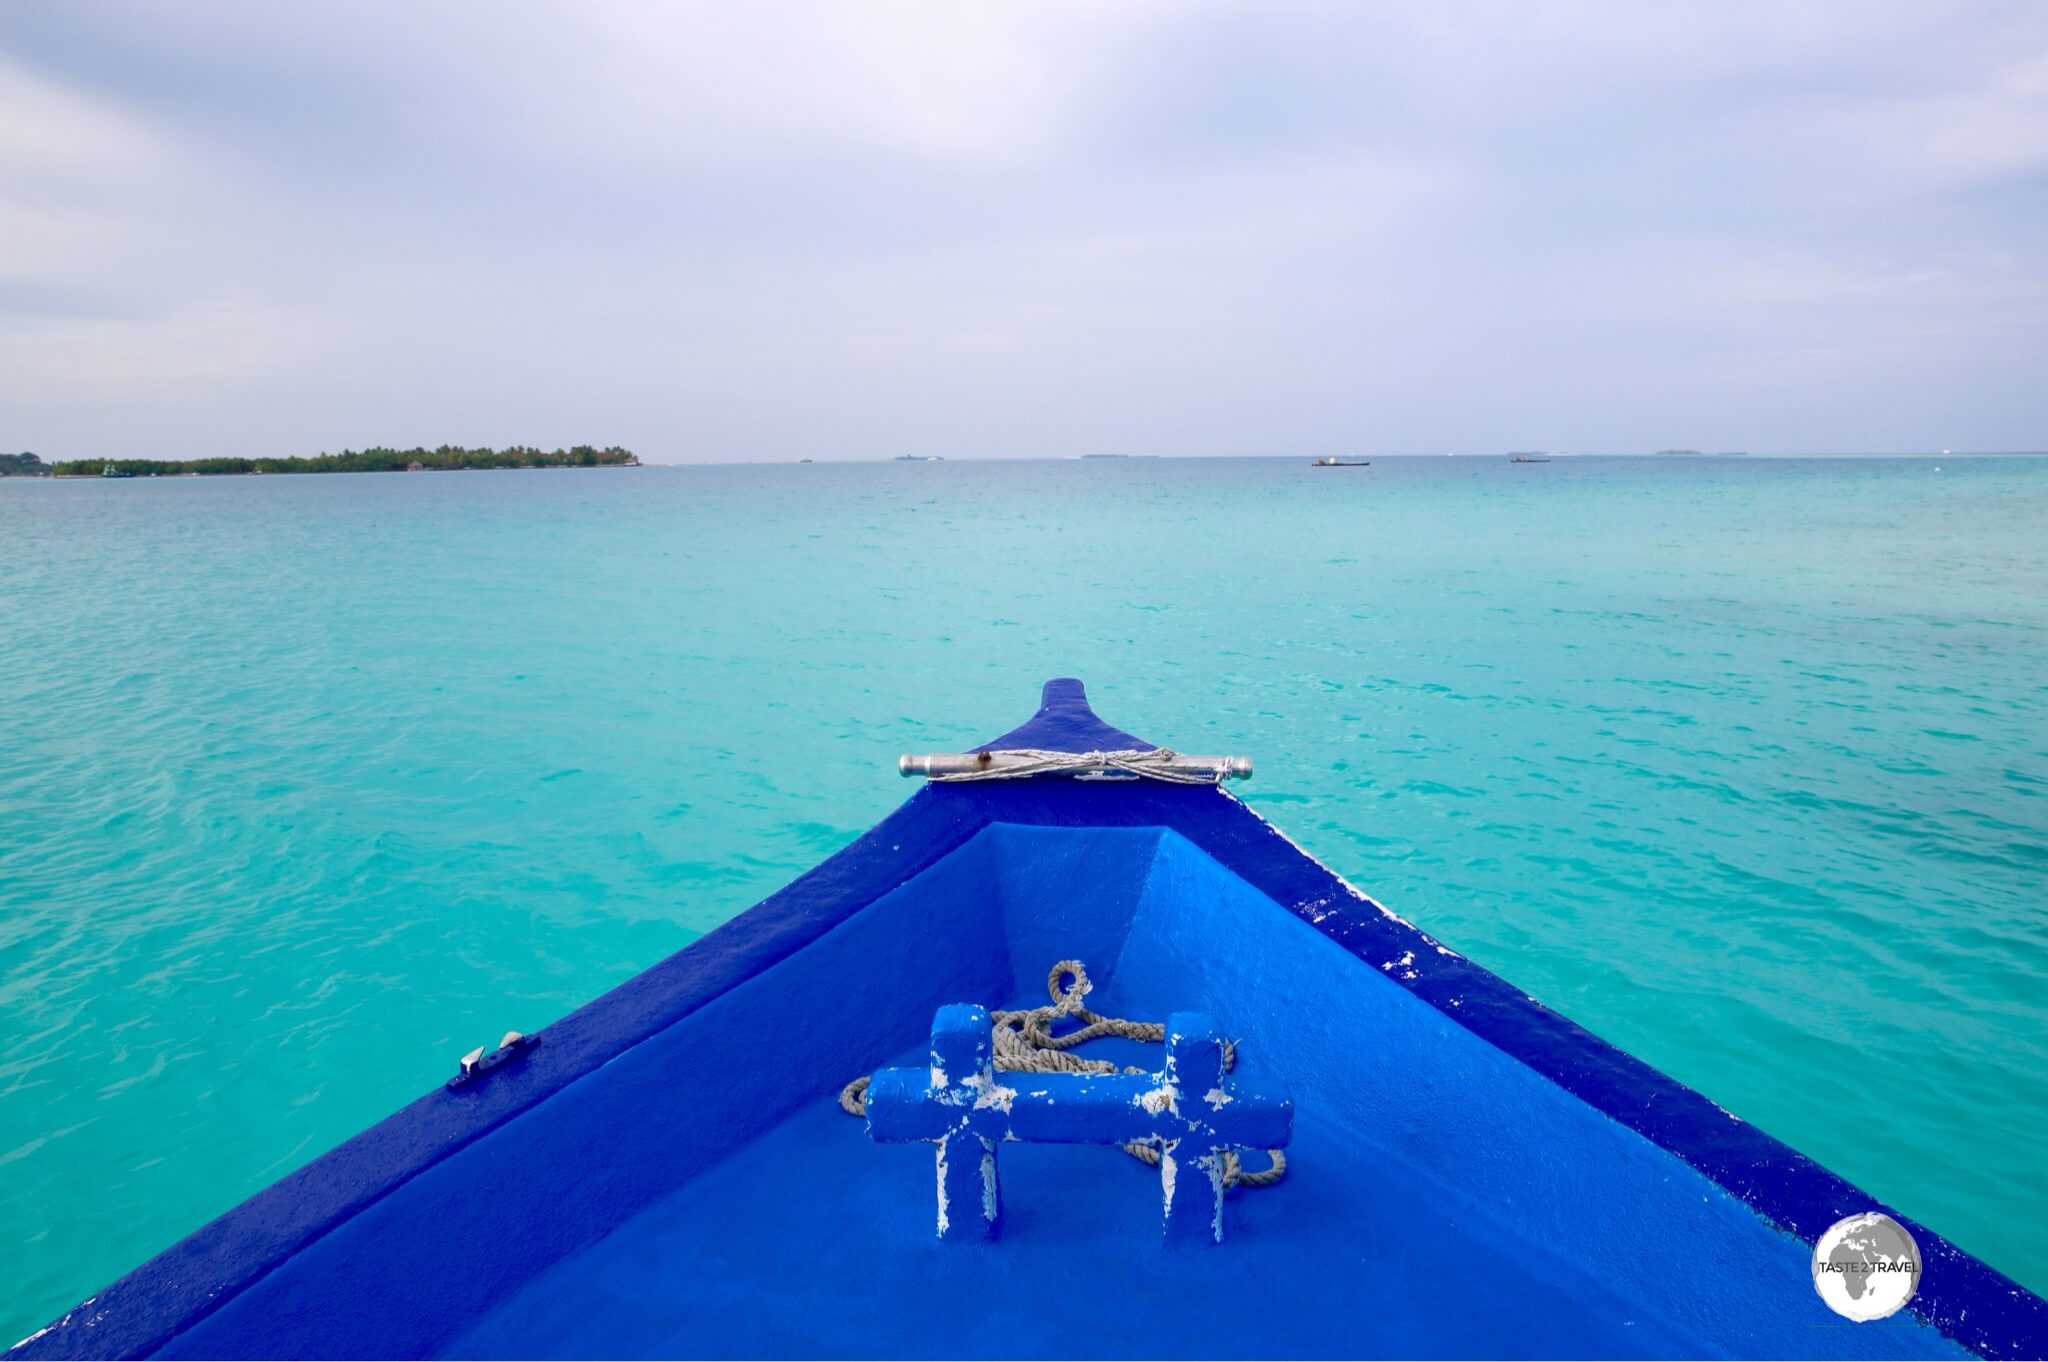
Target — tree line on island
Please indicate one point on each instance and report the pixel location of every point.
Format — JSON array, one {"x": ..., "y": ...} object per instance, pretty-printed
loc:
[{"x": 446, "y": 458}]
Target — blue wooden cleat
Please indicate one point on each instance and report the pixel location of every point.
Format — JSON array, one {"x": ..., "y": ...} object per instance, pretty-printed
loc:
[
  {"x": 953, "y": 1107},
  {"x": 1190, "y": 1111}
]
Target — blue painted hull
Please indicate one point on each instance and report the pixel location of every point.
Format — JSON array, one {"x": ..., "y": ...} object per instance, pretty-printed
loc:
[{"x": 668, "y": 1173}]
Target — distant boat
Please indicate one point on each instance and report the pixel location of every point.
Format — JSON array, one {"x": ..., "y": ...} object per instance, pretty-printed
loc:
[
  {"x": 1528, "y": 458},
  {"x": 110, "y": 471},
  {"x": 1341, "y": 463}
]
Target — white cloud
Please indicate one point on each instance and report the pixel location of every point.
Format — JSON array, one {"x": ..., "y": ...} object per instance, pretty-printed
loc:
[
  {"x": 1994, "y": 129},
  {"x": 980, "y": 83},
  {"x": 54, "y": 131},
  {"x": 196, "y": 357},
  {"x": 747, "y": 229},
  {"x": 68, "y": 167}
]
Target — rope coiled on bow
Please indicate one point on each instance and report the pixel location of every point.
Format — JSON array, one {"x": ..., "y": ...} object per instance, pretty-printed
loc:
[{"x": 1025, "y": 1043}]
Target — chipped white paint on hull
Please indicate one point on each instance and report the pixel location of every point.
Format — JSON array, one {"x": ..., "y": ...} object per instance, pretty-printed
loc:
[
  {"x": 1351, "y": 888},
  {"x": 1213, "y": 1166},
  {"x": 989, "y": 1093}
]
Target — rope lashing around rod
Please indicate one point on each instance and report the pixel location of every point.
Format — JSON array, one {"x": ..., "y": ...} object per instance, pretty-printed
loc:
[
  {"x": 1019, "y": 763},
  {"x": 1024, "y": 1043}
]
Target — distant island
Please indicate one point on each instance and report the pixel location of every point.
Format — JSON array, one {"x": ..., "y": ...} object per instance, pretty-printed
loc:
[
  {"x": 23, "y": 465},
  {"x": 447, "y": 458}
]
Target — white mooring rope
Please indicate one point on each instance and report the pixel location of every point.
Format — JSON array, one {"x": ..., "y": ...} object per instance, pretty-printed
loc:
[
  {"x": 1024, "y": 1043},
  {"x": 1154, "y": 763}
]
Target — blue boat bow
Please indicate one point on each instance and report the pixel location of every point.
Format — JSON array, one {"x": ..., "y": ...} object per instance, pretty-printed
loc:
[{"x": 669, "y": 1174}]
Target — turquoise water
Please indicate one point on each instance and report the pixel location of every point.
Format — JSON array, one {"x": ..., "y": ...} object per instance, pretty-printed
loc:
[{"x": 308, "y": 785}]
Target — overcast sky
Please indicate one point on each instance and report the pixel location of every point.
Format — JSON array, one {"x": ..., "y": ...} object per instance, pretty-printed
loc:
[{"x": 762, "y": 231}]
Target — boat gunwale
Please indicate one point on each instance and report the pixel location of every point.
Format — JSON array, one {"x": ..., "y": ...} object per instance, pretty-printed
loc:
[
  {"x": 1967, "y": 1300},
  {"x": 145, "y": 1309}
]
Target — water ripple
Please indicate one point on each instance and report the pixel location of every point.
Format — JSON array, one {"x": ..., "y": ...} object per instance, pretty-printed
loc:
[{"x": 309, "y": 785}]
